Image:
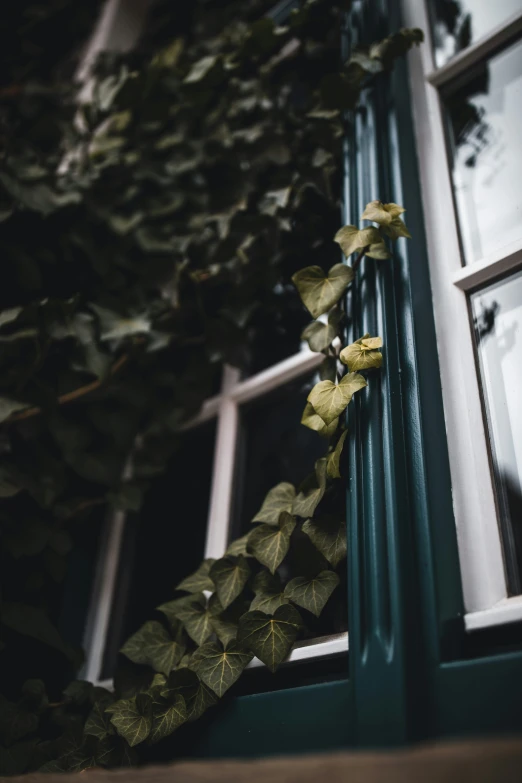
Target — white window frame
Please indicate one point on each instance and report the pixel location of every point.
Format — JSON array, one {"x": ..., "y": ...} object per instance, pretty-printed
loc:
[
  {"x": 118, "y": 29},
  {"x": 480, "y": 548}
]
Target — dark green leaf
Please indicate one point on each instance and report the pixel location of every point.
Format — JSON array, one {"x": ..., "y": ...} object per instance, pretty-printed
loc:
[
  {"x": 199, "y": 580},
  {"x": 218, "y": 666},
  {"x": 270, "y": 544},
  {"x": 230, "y": 575},
  {"x": 153, "y": 645},
  {"x": 328, "y": 535},
  {"x": 270, "y": 637},
  {"x": 312, "y": 593},
  {"x": 312, "y": 493},
  {"x": 132, "y": 718},
  {"x": 198, "y": 696},
  {"x": 277, "y": 500},
  {"x": 193, "y": 612},
  {"x": 167, "y": 716},
  {"x": 334, "y": 458}
]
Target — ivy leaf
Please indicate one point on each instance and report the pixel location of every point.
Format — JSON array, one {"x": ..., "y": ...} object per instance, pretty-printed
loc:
[
  {"x": 114, "y": 326},
  {"x": 333, "y": 459},
  {"x": 167, "y": 716},
  {"x": 239, "y": 546},
  {"x": 363, "y": 354},
  {"x": 314, "y": 422},
  {"x": 220, "y": 666},
  {"x": 268, "y": 592},
  {"x": 352, "y": 239},
  {"x": 199, "y": 580},
  {"x": 328, "y": 369},
  {"x": 396, "y": 229},
  {"x": 378, "y": 251},
  {"x": 193, "y": 613},
  {"x": 225, "y": 621},
  {"x": 270, "y": 637},
  {"x": 328, "y": 535},
  {"x": 201, "y": 69},
  {"x": 132, "y": 718},
  {"x": 7, "y": 407},
  {"x": 98, "y": 723},
  {"x": 153, "y": 645},
  {"x": 277, "y": 500},
  {"x": 318, "y": 335},
  {"x": 230, "y": 575},
  {"x": 32, "y": 621},
  {"x": 312, "y": 491},
  {"x": 270, "y": 544},
  {"x": 329, "y": 400},
  {"x": 381, "y": 213},
  {"x": 312, "y": 593},
  {"x": 197, "y": 695},
  {"x": 320, "y": 292},
  {"x": 15, "y": 722}
]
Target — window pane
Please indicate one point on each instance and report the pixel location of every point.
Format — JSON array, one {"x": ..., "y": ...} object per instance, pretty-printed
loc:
[
  {"x": 274, "y": 446},
  {"x": 497, "y": 314},
  {"x": 487, "y": 157},
  {"x": 459, "y": 23},
  {"x": 164, "y": 542}
]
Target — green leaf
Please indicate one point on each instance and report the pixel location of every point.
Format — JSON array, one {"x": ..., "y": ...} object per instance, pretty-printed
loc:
[
  {"x": 153, "y": 645},
  {"x": 201, "y": 69},
  {"x": 268, "y": 592},
  {"x": 378, "y": 251},
  {"x": 328, "y": 369},
  {"x": 320, "y": 292},
  {"x": 32, "y": 621},
  {"x": 328, "y": 535},
  {"x": 381, "y": 213},
  {"x": 319, "y": 335},
  {"x": 98, "y": 723},
  {"x": 330, "y": 400},
  {"x": 198, "y": 696},
  {"x": 312, "y": 593},
  {"x": 314, "y": 422},
  {"x": 15, "y": 722},
  {"x": 270, "y": 637},
  {"x": 353, "y": 240},
  {"x": 363, "y": 354},
  {"x": 270, "y": 544},
  {"x": 239, "y": 546},
  {"x": 114, "y": 326},
  {"x": 193, "y": 612},
  {"x": 312, "y": 491},
  {"x": 225, "y": 621},
  {"x": 277, "y": 500},
  {"x": 199, "y": 580},
  {"x": 78, "y": 692},
  {"x": 333, "y": 459},
  {"x": 396, "y": 229},
  {"x": 230, "y": 575},
  {"x": 167, "y": 716},
  {"x": 132, "y": 718},
  {"x": 219, "y": 666},
  {"x": 7, "y": 407}
]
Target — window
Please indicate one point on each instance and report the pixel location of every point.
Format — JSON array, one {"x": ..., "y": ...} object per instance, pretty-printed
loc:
[
  {"x": 466, "y": 84},
  {"x": 247, "y": 438}
]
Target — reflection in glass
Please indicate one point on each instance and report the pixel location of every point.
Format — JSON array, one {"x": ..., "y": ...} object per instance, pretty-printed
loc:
[
  {"x": 497, "y": 315},
  {"x": 274, "y": 447},
  {"x": 484, "y": 116},
  {"x": 164, "y": 542},
  {"x": 459, "y": 23}
]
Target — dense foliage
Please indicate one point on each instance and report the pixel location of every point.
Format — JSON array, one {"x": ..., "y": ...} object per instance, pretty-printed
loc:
[{"x": 147, "y": 237}]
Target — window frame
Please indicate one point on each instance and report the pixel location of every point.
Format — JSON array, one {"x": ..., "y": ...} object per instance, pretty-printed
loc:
[{"x": 478, "y": 532}]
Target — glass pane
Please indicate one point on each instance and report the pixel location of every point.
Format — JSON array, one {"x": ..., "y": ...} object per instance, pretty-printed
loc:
[
  {"x": 164, "y": 542},
  {"x": 459, "y": 23},
  {"x": 487, "y": 157},
  {"x": 497, "y": 314}
]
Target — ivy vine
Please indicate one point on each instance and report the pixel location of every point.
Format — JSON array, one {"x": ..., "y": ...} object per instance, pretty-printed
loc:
[{"x": 150, "y": 235}]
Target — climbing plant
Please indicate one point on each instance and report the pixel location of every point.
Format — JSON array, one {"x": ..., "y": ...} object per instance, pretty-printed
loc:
[{"x": 149, "y": 234}]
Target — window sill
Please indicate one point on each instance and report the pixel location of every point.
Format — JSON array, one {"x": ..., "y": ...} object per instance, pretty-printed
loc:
[{"x": 509, "y": 610}]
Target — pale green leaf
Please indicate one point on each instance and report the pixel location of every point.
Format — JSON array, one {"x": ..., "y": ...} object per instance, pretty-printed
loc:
[
  {"x": 167, "y": 716},
  {"x": 363, "y": 354},
  {"x": 329, "y": 400},
  {"x": 7, "y": 407},
  {"x": 270, "y": 637},
  {"x": 219, "y": 667},
  {"x": 352, "y": 239},
  {"x": 201, "y": 69},
  {"x": 333, "y": 459},
  {"x": 319, "y": 292},
  {"x": 269, "y": 544},
  {"x": 199, "y": 580},
  {"x": 278, "y": 499},
  {"x": 314, "y": 422},
  {"x": 382, "y": 213},
  {"x": 114, "y": 326},
  {"x": 132, "y": 718},
  {"x": 312, "y": 491},
  {"x": 396, "y": 229},
  {"x": 230, "y": 575},
  {"x": 379, "y": 251},
  {"x": 312, "y": 593},
  {"x": 153, "y": 645},
  {"x": 319, "y": 335},
  {"x": 328, "y": 535}
]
